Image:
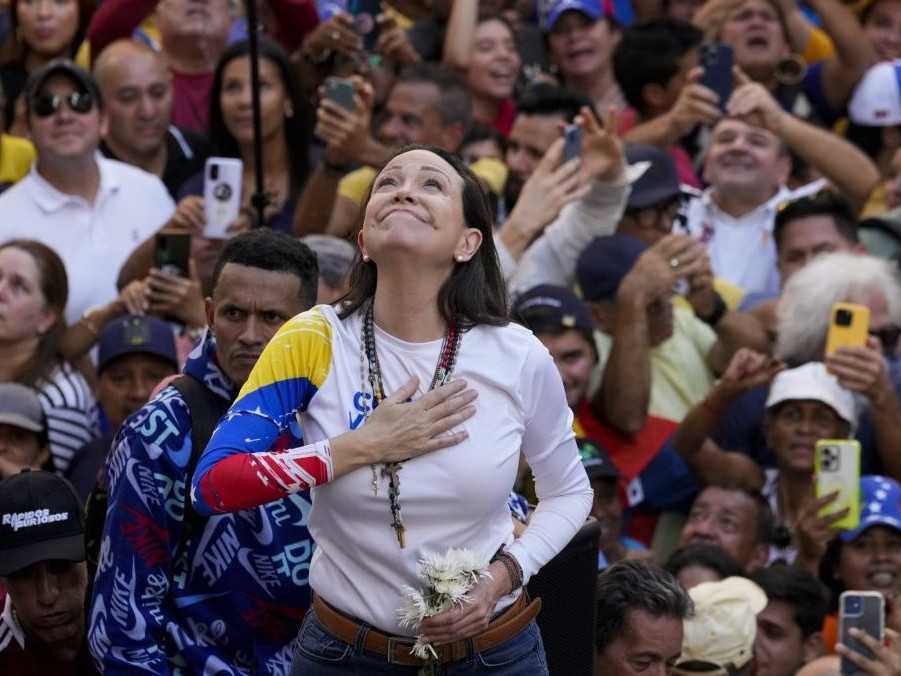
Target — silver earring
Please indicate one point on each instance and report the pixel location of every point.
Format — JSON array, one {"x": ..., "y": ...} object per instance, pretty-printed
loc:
[
  {"x": 365, "y": 258},
  {"x": 459, "y": 258}
]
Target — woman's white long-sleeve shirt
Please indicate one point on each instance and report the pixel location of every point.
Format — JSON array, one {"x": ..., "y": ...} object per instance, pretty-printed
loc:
[{"x": 456, "y": 497}]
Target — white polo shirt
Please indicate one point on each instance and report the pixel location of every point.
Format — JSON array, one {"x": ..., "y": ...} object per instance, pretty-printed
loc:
[
  {"x": 742, "y": 250},
  {"x": 94, "y": 240}
]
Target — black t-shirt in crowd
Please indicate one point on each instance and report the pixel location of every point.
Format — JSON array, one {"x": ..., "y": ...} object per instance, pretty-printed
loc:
[{"x": 186, "y": 154}]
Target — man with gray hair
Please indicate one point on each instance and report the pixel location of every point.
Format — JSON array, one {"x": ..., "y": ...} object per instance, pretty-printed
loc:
[
  {"x": 641, "y": 610},
  {"x": 335, "y": 257}
]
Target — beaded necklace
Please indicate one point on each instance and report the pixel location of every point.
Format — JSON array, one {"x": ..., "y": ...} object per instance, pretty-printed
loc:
[{"x": 447, "y": 360}]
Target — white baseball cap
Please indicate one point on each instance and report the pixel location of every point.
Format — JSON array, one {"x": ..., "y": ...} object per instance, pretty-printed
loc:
[
  {"x": 720, "y": 635},
  {"x": 813, "y": 382},
  {"x": 876, "y": 101}
]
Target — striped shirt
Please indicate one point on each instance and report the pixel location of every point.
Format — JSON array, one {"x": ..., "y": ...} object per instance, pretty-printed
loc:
[{"x": 68, "y": 403}]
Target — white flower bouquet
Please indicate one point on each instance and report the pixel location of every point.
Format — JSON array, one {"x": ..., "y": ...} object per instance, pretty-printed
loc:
[{"x": 447, "y": 581}]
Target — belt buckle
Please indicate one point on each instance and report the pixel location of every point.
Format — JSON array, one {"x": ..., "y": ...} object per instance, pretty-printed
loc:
[{"x": 394, "y": 643}]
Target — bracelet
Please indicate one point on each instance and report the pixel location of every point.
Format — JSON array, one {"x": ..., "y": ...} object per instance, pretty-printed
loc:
[{"x": 514, "y": 571}]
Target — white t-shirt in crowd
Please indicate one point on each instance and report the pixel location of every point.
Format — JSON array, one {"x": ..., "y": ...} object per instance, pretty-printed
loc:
[
  {"x": 742, "y": 250},
  {"x": 456, "y": 497},
  {"x": 94, "y": 240}
]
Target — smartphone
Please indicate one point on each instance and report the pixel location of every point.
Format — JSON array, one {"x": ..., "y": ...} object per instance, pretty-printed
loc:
[
  {"x": 572, "y": 142},
  {"x": 837, "y": 468},
  {"x": 864, "y": 610},
  {"x": 341, "y": 91},
  {"x": 171, "y": 253},
  {"x": 716, "y": 60},
  {"x": 221, "y": 195},
  {"x": 365, "y": 13},
  {"x": 848, "y": 327}
]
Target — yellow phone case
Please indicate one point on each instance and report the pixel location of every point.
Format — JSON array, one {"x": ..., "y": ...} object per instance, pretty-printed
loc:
[
  {"x": 837, "y": 467},
  {"x": 849, "y": 326}
]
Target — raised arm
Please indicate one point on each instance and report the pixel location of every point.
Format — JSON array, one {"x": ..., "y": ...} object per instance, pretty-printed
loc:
[
  {"x": 746, "y": 370},
  {"x": 460, "y": 34},
  {"x": 596, "y": 211},
  {"x": 843, "y": 164},
  {"x": 854, "y": 53},
  {"x": 624, "y": 396}
]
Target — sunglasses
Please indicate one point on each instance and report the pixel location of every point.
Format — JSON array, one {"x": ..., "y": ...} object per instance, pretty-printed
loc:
[{"x": 45, "y": 105}]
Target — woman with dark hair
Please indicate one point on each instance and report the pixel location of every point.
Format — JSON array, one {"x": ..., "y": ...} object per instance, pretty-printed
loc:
[
  {"x": 425, "y": 316},
  {"x": 285, "y": 127},
  {"x": 40, "y": 30},
  {"x": 33, "y": 294},
  {"x": 865, "y": 558},
  {"x": 484, "y": 50}
]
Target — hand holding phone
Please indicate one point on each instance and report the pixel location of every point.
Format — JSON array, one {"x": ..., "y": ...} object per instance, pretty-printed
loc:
[
  {"x": 849, "y": 326},
  {"x": 572, "y": 142},
  {"x": 837, "y": 469},
  {"x": 717, "y": 60},
  {"x": 222, "y": 181},
  {"x": 341, "y": 91},
  {"x": 172, "y": 253},
  {"x": 864, "y": 611}
]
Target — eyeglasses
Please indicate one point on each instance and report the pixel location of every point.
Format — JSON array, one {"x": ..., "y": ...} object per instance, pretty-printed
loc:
[{"x": 46, "y": 105}]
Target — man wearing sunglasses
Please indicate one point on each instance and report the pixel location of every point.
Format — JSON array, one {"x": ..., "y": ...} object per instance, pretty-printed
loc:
[{"x": 91, "y": 210}]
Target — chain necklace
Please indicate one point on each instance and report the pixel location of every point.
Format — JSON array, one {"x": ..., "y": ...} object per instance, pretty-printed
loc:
[{"x": 444, "y": 369}]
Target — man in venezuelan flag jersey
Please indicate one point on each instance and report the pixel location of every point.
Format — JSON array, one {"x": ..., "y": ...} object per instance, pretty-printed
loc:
[{"x": 177, "y": 593}]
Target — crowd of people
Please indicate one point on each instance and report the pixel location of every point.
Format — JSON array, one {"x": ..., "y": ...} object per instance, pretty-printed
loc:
[{"x": 511, "y": 267}]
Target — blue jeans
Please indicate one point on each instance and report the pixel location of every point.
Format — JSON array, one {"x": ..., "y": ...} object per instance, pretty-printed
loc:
[{"x": 319, "y": 653}]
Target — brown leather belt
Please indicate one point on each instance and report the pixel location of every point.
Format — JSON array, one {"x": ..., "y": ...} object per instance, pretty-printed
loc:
[{"x": 397, "y": 649}]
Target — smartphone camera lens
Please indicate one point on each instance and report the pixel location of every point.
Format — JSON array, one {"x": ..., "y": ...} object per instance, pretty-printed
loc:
[
  {"x": 843, "y": 317},
  {"x": 852, "y": 605},
  {"x": 214, "y": 172}
]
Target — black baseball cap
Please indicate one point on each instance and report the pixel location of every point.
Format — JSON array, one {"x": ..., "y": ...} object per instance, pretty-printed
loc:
[
  {"x": 660, "y": 181},
  {"x": 604, "y": 263},
  {"x": 133, "y": 334},
  {"x": 82, "y": 79},
  {"x": 40, "y": 520},
  {"x": 547, "y": 304}
]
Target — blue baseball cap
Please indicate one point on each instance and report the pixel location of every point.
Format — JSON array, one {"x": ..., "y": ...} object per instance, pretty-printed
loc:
[
  {"x": 133, "y": 334},
  {"x": 604, "y": 263},
  {"x": 554, "y": 9},
  {"x": 880, "y": 505}
]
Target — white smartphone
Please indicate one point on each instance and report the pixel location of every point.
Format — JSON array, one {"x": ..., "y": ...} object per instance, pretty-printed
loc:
[{"x": 221, "y": 195}]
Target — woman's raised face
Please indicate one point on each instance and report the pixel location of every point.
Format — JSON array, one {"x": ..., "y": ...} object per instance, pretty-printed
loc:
[
  {"x": 416, "y": 207},
  {"x": 495, "y": 62},
  {"x": 872, "y": 562},
  {"x": 48, "y": 26},
  {"x": 23, "y": 308},
  {"x": 237, "y": 110}
]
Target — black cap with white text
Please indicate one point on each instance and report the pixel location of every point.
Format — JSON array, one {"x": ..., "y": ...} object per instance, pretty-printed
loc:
[{"x": 40, "y": 520}]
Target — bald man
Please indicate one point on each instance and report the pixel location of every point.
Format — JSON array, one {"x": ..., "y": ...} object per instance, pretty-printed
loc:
[{"x": 137, "y": 89}]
